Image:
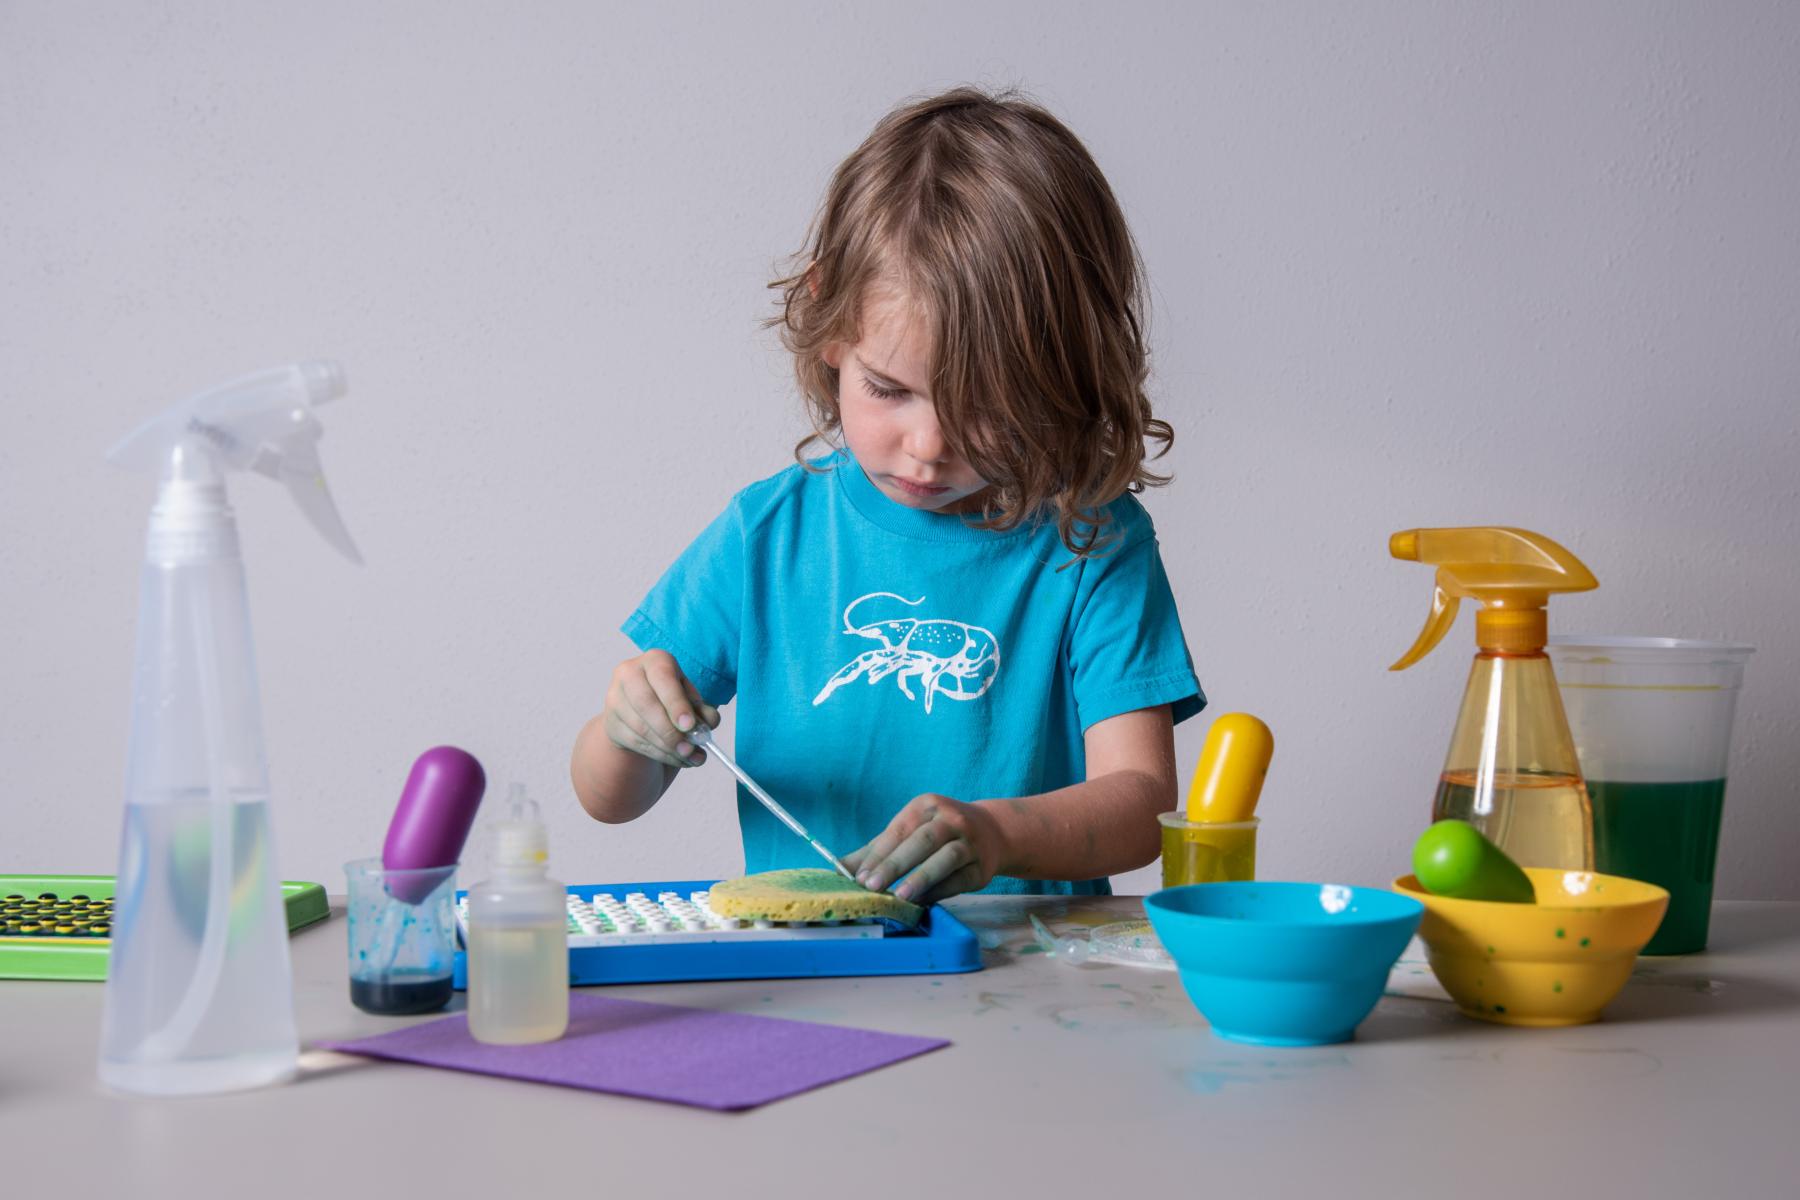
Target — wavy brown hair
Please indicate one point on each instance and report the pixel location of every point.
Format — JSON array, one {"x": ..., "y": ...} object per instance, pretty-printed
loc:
[{"x": 996, "y": 224}]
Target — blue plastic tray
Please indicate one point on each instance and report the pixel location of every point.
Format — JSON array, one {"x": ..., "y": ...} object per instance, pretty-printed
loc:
[{"x": 941, "y": 945}]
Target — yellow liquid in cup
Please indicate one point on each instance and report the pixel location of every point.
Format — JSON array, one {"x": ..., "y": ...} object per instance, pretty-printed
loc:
[{"x": 1199, "y": 853}]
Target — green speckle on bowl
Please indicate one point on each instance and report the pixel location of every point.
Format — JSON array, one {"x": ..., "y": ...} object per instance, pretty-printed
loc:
[
  {"x": 1490, "y": 952},
  {"x": 1584, "y": 941},
  {"x": 1557, "y": 986},
  {"x": 1499, "y": 1008},
  {"x": 1562, "y": 933}
]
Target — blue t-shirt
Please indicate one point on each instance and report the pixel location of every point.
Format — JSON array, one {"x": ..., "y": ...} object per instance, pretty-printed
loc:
[{"x": 878, "y": 651}]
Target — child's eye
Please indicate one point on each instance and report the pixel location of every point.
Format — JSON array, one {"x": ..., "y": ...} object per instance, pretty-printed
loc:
[{"x": 881, "y": 393}]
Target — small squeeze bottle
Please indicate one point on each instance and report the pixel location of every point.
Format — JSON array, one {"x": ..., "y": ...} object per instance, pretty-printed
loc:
[
  {"x": 1511, "y": 771},
  {"x": 518, "y": 937}
]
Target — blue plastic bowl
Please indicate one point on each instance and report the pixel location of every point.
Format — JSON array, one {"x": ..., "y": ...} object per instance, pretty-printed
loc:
[{"x": 1283, "y": 964}]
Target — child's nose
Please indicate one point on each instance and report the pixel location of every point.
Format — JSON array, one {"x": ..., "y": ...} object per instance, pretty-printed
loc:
[{"x": 925, "y": 441}]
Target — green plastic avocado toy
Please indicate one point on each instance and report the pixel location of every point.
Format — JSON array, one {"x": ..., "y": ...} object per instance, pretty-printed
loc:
[{"x": 1453, "y": 859}]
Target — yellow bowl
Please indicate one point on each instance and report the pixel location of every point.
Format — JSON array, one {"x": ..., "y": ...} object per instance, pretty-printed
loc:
[{"x": 1556, "y": 962}]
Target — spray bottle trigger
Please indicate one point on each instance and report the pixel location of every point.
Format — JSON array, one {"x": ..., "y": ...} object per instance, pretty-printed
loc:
[
  {"x": 304, "y": 476},
  {"x": 1444, "y": 603}
]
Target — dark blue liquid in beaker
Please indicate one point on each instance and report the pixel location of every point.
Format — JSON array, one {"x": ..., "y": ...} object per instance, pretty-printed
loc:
[{"x": 401, "y": 993}]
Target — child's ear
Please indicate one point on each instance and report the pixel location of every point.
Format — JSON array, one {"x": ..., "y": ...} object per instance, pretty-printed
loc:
[
  {"x": 812, "y": 279},
  {"x": 832, "y": 355}
]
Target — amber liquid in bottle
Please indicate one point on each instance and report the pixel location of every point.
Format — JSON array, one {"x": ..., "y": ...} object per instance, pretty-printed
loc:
[
  {"x": 1512, "y": 771},
  {"x": 1541, "y": 820}
]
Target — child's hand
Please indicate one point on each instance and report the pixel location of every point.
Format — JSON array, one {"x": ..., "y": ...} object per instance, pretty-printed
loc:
[
  {"x": 948, "y": 846},
  {"x": 650, "y": 706}
]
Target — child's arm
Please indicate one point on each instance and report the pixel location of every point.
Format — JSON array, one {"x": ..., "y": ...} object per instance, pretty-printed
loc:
[
  {"x": 1102, "y": 826},
  {"x": 627, "y": 757}
]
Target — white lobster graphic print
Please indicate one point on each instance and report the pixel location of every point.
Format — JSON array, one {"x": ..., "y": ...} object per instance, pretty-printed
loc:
[{"x": 948, "y": 658}]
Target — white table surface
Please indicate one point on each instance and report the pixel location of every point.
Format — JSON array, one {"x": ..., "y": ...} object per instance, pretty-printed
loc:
[{"x": 1095, "y": 1080}]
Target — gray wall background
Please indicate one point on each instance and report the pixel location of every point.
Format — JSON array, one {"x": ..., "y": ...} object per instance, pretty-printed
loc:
[{"x": 1530, "y": 264}]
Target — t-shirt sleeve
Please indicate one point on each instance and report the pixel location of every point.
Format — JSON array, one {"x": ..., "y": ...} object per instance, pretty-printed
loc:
[
  {"x": 695, "y": 611},
  {"x": 1126, "y": 649}
]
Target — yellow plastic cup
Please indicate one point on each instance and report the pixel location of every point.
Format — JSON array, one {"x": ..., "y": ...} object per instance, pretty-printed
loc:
[{"x": 1207, "y": 851}]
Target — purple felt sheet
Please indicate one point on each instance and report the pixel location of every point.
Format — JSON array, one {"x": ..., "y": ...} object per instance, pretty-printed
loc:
[{"x": 718, "y": 1060}]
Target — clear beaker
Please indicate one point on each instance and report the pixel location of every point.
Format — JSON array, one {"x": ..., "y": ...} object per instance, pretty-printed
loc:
[
  {"x": 1207, "y": 851},
  {"x": 1652, "y": 724},
  {"x": 402, "y": 930}
]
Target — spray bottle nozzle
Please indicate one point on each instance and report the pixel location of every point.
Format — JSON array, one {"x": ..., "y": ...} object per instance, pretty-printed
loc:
[
  {"x": 261, "y": 422},
  {"x": 1512, "y": 572}
]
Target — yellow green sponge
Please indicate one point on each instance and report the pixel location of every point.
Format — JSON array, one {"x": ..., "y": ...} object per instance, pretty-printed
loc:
[{"x": 806, "y": 894}]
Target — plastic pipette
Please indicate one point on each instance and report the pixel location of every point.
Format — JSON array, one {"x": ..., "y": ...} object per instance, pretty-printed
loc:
[{"x": 702, "y": 737}]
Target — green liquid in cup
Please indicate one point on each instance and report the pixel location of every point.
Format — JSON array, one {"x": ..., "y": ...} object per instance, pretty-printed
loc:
[{"x": 1666, "y": 834}]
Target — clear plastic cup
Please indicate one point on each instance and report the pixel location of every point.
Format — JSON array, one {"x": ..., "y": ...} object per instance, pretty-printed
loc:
[
  {"x": 1207, "y": 851},
  {"x": 402, "y": 952},
  {"x": 1652, "y": 724}
]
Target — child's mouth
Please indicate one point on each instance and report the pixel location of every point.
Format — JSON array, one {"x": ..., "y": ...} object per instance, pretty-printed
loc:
[{"x": 922, "y": 490}]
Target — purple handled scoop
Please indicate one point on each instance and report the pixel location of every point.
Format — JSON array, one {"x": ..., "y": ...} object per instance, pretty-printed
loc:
[{"x": 432, "y": 820}]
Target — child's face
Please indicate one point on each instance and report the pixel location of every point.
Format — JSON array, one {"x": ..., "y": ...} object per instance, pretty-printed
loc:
[{"x": 888, "y": 418}]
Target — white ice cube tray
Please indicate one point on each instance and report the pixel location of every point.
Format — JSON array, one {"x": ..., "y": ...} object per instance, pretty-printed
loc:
[{"x": 673, "y": 919}]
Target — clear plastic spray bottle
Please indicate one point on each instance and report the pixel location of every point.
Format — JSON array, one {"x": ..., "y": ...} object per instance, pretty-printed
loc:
[
  {"x": 198, "y": 991},
  {"x": 518, "y": 936}
]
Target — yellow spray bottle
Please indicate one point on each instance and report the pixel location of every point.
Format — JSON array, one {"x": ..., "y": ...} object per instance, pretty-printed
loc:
[{"x": 1512, "y": 771}]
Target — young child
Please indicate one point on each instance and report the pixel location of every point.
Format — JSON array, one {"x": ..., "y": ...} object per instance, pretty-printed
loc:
[{"x": 951, "y": 639}]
